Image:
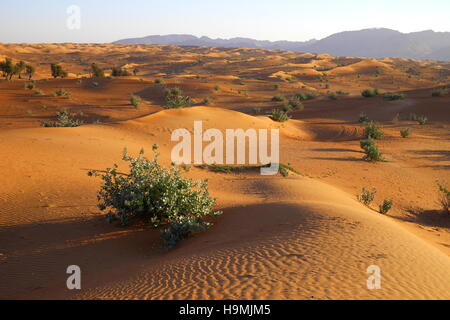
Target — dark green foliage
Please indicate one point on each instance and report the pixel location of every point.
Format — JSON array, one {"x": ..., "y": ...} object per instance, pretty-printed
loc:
[
  {"x": 58, "y": 71},
  {"x": 363, "y": 118},
  {"x": 405, "y": 133},
  {"x": 369, "y": 93},
  {"x": 64, "y": 120},
  {"x": 372, "y": 154},
  {"x": 373, "y": 130},
  {"x": 159, "y": 81},
  {"x": 367, "y": 196},
  {"x": 119, "y": 72},
  {"x": 386, "y": 206},
  {"x": 278, "y": 98},
  {"x": 175, "y": 99},
  {"x": 135, "y": 100},
  {"x": 422, "y": 120},
  {"x": 97, "y": 71},
  {"x": 152, "y": 194},
  {"x": 7, "y": 68},
  {"x": 61, "y": 93},
  {"x": 440, "y": 92},
  {"x": 30, "y": 70},
  {"x": 279, "y": 115},
  {"x": 294, "y": 103},
  {"x": 389, "y": 96}
]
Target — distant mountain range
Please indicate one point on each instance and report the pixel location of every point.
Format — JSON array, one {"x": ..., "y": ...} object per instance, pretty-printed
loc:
[{"x": 369, "y": 43}]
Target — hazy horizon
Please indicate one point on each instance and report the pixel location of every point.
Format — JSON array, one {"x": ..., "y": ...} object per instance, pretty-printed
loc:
[{"x": 45, "y": 21}]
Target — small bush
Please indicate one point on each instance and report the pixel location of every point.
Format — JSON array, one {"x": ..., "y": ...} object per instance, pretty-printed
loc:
[
  {"x": 369, "y": 93},
  {"x": 119, "y": 72},
  {"x": 153, "y": 194},
  {"x": 342, "y": 93},
  {"x": 30, "y": 86},
  {"x": 135, "y": 100},
  {"x": 278, "y": 98},
  {"x": 39, "y": 92},
  {"x": 372, "y": 154},
  {"x": 440, "y": 92},
  {"x": 367, "y": 143},
  {"x": 422, "y": 120},
  {"x": 206, "y": 101},
  {"x": 363, "y": 118},
  {"x": 97, "y": 71},
  {"x": 405, "y": 133},
  {"x": 64, "y": 120},
  {"x": 373, "y": 130},
  {"x": 295, "y": 103},
  {"x": 306, "y": 96},
  {"x": 393, "y": 96},
  {"x": 386, "y": 206},
  {"x": 58, "y": 71},
  {"x": 217, "y": 88},
  {"x": 61, "y": 93},
  {"x": 279, "y": 115},
  {"x": 444, "y": 199},
  {"x": 159, "y": 81},
  {"x": 176, "y": 99},
  {"x": 277, "y": 87},
  {"x": 367, "y": 196}
]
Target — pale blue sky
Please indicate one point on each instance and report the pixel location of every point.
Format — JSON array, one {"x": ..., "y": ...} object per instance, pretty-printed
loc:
[{"x": 298, "y": 20}]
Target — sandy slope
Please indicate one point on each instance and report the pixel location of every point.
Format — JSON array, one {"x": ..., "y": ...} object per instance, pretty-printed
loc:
[{"x": 279, "y": 238}]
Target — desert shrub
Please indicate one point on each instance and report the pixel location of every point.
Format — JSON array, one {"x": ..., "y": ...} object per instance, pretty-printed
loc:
[
  {"x": 97, "y": 71},
  {"x": 440, "y": 92},
  {"x": 278, "y": 98},
  {"x": 58, "y": 71},
  {"x": 61, "y": 93},
  {"x": 63, "y": 120},
  {"x": 181, "y": 230},
  {"x": 150, "y": 193},
  {"x": 30, "y": 85},
  {"x": 386, "y": 206},
  {"x": 367, "y": 143},
  {"x": 367, "y": 196},
  {"x": 306, "y": 96},
  {"x": 119, "y": 72},
  {"x": 444, "y": 198},
  {"x": 389, "y": 96},
  {"x": 372, "y": 154},
  {"x": 39, "y": 92},
  {"x": 295, "y": 103},
  {"x": 257, "y": 110},
  {"x": 333, "y": 96},
  {"x": 405, "y": 133},
  {"x": 369, "y": 93},
  {"x": 422, "y": 120},
  {"x": 287, "y": 108},
  {"x": 342, "y": 93},
  {"x": 159, "y": 81},
  {"x": 217, "y": 88},
  {"x": 279, "y": 115},
  {"x": 373, "y": 130},
  {"x": 277, "y": 86},
  {"x": 363, "y": 118},
  {"x": 176, "y": 99},
  {"x": 206, "y": 101},
  {"x": 135, "y": 100}
]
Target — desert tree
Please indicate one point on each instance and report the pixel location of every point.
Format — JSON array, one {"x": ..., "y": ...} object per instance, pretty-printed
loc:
[
  {"x": 58, "y": 71},
  {"x": 7, "y": 68},
  {"x": 19, "y": 68},
  {"x": 97, "y": 71},
  {"x": 30, "y": 70}
]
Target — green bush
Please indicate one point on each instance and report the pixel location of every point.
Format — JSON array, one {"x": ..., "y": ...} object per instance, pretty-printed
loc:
[
  {"x": 278, "y": 98},
  {"x": 405, "y": 133},
  {"x": 444, "y": 199},
  {"x": 440, "y": 92},
  {"x": 61, "y": 93},
  {"x": 422, "y": 120},
  {"x": 369, "y": 93},
  {"x": 367, "y": 196},
  {"x": 150, "y": 193},
  {"x": 277, "y": 86},
  {"x": 389, "y": 96},
  {"x": 97, "y": 71},
  {"x": 30, "y": 86},
  {"x": 39, "y": 92},
  {"x": 135, "y": 100},
  {"x": 63, "y": 120},
  {"x": 217, "y": 88},
  {"x": 58, "y": 71},
  {"x": 363, "y": 118},
  {"x": 373, "y": 130},
  {"x": 306, "y": 96},
  {"x": 372, "y": 154},
  {"x": 386, "y": 206},
  {"x": 119, "y": 72},
  {"x": 279, "y": 115},
  {"x": 367, "y": 143},
  {"x": 159, "y": 81},
  {"x": 295, "y": 103},
  {"x": 176, "y": 99}
]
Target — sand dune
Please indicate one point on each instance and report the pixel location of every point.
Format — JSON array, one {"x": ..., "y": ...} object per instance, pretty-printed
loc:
[{"x": 301, "y": 237}]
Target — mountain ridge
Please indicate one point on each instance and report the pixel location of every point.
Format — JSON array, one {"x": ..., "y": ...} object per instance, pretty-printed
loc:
[{"x": 374, "y": 43}]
